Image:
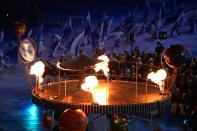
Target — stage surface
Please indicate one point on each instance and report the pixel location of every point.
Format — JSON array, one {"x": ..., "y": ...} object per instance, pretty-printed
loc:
[{"x": 109, "y": 97}]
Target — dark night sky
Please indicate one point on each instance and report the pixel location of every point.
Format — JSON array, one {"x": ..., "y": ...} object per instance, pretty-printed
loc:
[
  {"x": 79, "y": 4},
  {"x": 75, "y": 6}
]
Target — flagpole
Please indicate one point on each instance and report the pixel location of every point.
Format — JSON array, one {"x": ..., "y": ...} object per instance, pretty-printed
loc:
[{"x": 65, "y": 90}]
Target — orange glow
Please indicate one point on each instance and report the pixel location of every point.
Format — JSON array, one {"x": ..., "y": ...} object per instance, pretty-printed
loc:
[
  {"x": 90, "y": 83},
  {"x": 158, "y": 77},
  {"x": 100, "y": 94},
  {"x": 38, "y": 70},
  {"x": 103, "y": 65}
]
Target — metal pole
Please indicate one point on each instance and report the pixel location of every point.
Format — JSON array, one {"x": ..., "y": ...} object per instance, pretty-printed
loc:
[
  {"x": 106, "y": 95},
  {"x": 119, "y": 70},
  {"x": 136, "y": 79},
  {"x": 146, "y": 89},
  {"x": 59, "y": 83},
  {"x": 65, "y": 90}
]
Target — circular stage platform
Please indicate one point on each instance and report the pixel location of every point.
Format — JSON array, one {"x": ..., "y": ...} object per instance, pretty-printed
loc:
[{"x": 112, "y": 97}]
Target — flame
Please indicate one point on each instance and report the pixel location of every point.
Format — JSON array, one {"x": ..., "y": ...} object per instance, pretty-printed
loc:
[
  {"x": 103, "y": 65},
  {"x": 38, "y": 70},
  {"x": 100, "y": 94},
  {"x": 90, "y": 83},
  {"x": 158, "y": 77}
]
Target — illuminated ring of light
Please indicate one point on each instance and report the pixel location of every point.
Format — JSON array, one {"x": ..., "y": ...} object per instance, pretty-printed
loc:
[
  {"x": 29, "y": 41},
  {"x": 162, "y": 56}
]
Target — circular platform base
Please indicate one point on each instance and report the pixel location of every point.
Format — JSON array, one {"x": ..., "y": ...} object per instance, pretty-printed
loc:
[{"x": 120, "y": 97}]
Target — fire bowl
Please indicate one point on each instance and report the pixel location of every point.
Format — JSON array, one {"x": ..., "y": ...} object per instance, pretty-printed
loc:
[{"x": 110, "y": 97}]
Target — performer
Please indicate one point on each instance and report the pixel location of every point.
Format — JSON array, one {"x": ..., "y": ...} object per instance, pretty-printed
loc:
[
  {"x": 118, "y": 38},
  {"x": 96, "y": 36},
  {"x": 11, "y": 54},
  {"x": 70, "y": 40},
  {"x": 87, "y": 27},
  {"x": 66, "y": 30},
  {"x": 77, "y": 50},
  {"x": 120, "y": 27},
  {"x": 155, "y": 30},
  {"x": 159, "y": 49},
  {"x": 136, "y": 52},
  {"x": 54, "y": 44},
  {"x": 76, "y": 33},
  {"x": 131, "y": 41},
  {"x": 176, "y": 28},
  {"x": 145, "y": 20},
  {"x": 106, "y": 21},
  {"x": 128, "y": 18},
  {"x": 39, "y": 40},
  {"x": 114, "y": 56},
  {"x": 193, "y": 22}
]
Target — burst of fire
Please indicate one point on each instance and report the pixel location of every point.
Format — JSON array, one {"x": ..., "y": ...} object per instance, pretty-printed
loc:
[
  {"x": 158, "y": 77},
  {"x": 100, "y": 96},
  {"x": 99, "y": 93},
  {"x": 90, "y": 83},
  {"x": 103, "y": 65},
  {"x": 38, "y": 70}
]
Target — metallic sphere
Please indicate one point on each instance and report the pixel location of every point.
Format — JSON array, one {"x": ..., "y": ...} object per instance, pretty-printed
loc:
[
  {"x": 27, "y": 50},
  {"x": 73, "y": 120},
  {"x": 175, "y": 56}
]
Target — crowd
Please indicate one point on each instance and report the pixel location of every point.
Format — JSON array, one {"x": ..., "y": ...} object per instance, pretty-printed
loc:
[
  {"x": 122, "y": 65},
  {"x": 184, "y": 100}
]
